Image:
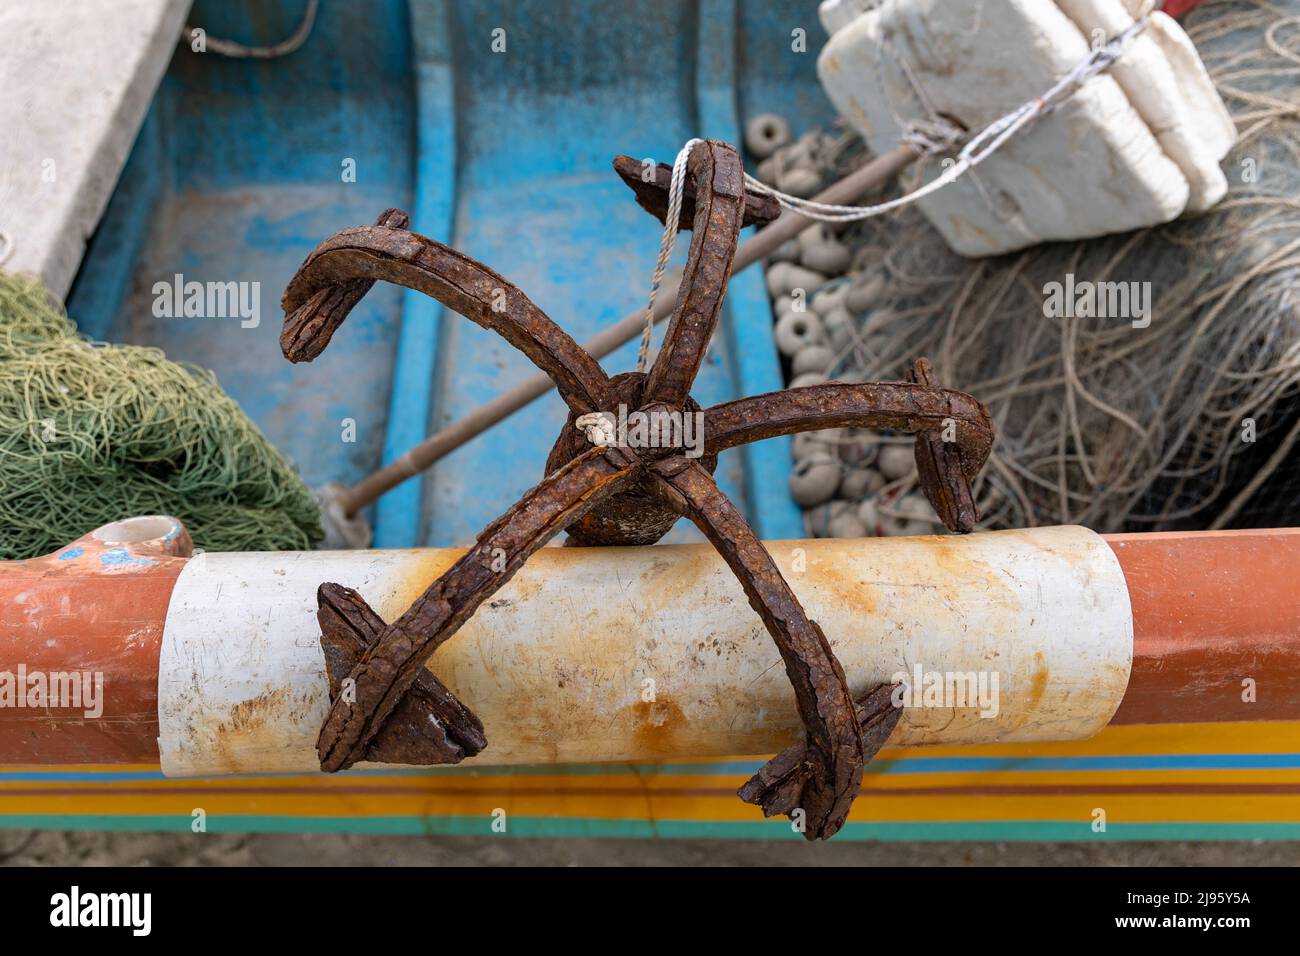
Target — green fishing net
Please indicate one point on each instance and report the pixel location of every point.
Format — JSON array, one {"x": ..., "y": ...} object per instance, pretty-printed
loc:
[{"x": 91, "y": 433}]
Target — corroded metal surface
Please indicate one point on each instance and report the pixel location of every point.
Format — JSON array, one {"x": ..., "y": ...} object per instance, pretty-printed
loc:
[
  {"x": 391, "y": 664},
  {"x": 778, "y": 787},
  {"x": 613, "y": 494},
  {"x": 637, "y": 515},
  {"x": 945, "y": 467},
  {"x": 827, "y": 775},
  {"x": 311, "y": 325},
  {"x": 429, "y": 725},
  {"x": 455, "y": 280},
  {"x": 652, "y": 194},
  {"x": 719, "y": 198}
]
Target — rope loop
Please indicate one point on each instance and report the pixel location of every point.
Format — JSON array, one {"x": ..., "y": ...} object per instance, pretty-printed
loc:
[{"x": 665, "y": 248}]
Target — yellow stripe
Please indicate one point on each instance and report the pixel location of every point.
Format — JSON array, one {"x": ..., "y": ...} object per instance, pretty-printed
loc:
[
  {"x": 1219, "y": 738},
  {"x": 1230, "y": 738}
]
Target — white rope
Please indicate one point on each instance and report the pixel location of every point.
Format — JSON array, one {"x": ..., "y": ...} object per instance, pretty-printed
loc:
[
  {"x": 665, "y": 248},
  {"x": 983, "y": 145},
  {"x": 932, "y": 136},
  {"x": 286, "y": 46}
]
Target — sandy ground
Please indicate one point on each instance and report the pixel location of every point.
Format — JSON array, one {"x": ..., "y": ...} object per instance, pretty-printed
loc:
[{"x": 32, "y": 848}]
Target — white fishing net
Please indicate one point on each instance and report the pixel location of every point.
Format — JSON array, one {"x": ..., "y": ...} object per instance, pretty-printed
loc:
[{"x": 1190, "y": 421}]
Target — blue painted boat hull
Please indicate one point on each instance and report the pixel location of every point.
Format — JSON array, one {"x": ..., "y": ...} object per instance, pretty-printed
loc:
[{"x": 243, "y": 166}]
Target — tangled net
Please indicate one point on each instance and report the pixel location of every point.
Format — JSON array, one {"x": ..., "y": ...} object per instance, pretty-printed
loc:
[
  {"x": 92, "y": 433},
  {"x": 1100, "y": 423}
]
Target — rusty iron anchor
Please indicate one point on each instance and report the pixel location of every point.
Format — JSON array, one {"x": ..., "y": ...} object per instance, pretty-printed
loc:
[{"x": 387, "y": 706}]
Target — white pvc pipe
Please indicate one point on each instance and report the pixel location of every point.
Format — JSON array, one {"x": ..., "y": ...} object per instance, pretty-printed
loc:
[{"x": 628, "y": 654}]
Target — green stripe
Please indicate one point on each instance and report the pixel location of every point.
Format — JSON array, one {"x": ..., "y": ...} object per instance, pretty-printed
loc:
[{"x": 1013, "y": 830}]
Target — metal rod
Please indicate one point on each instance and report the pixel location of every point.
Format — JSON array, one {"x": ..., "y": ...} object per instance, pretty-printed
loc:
[{"x": 415, "y": 460}]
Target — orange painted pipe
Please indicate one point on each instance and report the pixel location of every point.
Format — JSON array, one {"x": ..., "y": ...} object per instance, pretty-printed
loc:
[
  {"x": 96, "y": 606},
  {"x": 1216, "y": 621}
]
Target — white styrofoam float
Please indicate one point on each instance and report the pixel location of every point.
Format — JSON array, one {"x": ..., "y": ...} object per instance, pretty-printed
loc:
[{"x": 1137, "y": 146}]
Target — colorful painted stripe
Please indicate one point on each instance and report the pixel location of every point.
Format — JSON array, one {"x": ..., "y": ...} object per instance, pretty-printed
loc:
[{"x": 1172, "y": 782}]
